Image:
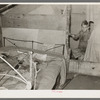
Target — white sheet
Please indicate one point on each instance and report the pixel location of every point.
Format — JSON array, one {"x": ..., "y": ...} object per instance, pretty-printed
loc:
[{"x": 93, "y": 48}]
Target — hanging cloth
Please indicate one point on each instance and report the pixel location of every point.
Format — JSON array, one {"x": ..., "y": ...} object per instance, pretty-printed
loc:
[{"x": 92, "y": 53}]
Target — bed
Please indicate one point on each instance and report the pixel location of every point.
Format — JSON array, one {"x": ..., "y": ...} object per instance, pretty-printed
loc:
[{"x": 47, "y": 74}]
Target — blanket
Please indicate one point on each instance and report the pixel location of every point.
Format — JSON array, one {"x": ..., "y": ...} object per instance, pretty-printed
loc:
[{"x": 50, "y": 69}]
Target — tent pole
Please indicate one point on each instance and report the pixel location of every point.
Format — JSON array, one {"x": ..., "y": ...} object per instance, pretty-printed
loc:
[{"x": 68, "y": 30}]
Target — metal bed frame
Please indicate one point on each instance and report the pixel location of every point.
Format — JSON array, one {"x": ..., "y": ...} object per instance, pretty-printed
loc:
[
  {"x": 28, "y": 84},
  {"x": 32, "y": 44}
]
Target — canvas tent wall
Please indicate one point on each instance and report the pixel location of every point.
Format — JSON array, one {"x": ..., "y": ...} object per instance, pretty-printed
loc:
[{"x": 38, "y": 21}]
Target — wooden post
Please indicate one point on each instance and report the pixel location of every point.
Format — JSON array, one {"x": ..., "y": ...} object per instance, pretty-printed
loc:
[
  {"x": 68, "y": 26},
  {"x": 5, "y": 8},
  {"x": 4, "y": 41},
  {"x": 1, "y": 11},
  {"x": 0, "y": 32},
  {"x": 35, "y": 75},
  {"x": 68, "y": 30},
  {"x": 31, "y": 68},
  {"x": 63, "y": 49},
  {"x": 32, "y": 44}
]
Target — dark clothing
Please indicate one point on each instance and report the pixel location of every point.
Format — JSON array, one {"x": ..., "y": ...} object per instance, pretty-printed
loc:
[{"x": 83, "y": 41}]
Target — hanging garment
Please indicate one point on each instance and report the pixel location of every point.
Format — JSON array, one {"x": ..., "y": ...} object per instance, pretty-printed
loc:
[{"x": 92, "y": 53}]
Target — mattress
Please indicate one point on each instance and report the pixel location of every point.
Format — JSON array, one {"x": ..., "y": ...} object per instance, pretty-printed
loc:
[{"x": 46, "y": 77}]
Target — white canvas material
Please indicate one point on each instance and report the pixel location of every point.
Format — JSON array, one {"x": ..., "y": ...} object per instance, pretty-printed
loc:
[{"x": 93, "y": 48}]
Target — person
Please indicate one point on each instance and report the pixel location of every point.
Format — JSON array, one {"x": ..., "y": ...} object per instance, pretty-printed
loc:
[
  {"x": 91, "y": 26},
  {"x": 83, "y": 37}
]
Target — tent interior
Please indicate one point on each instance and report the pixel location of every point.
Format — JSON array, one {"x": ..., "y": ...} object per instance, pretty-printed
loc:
[{"x": 40, "y": 33}]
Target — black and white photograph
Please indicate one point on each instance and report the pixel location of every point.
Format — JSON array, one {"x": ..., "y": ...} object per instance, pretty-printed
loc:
[{"x": 49, "y": 46}]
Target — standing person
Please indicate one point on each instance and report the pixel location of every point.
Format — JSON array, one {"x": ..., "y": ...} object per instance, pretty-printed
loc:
[{"x": 83, "y": 37}]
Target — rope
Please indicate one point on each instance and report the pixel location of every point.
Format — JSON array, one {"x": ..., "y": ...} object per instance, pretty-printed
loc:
[
  {"x": 28, "y": 41},
  {"x": 23, "y": 40},
  {"x": 13, "y": 43},
  {"x": 8, "y": 39},
  {"x": 14, "y": 66},
  {"x": 13, "y": 77},
  {"x": 32, "y": 42},
  {"x": 53, "y": 48},
  {"x": 13, "y": 69}
]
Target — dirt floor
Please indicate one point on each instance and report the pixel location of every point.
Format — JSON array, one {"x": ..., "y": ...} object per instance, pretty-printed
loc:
[{"x": 83, "y": 82}]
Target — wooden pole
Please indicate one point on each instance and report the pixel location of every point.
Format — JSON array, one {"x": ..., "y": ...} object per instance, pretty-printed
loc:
[
  {"x": 33, "y": 71},
  {"x": 31, "y": 68},
  {"x": 68, "y": 30},
  {"x": 68, "y": 25},
  {"x": 5, "y": 8},
  {"x": 1, "y": 44}
]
